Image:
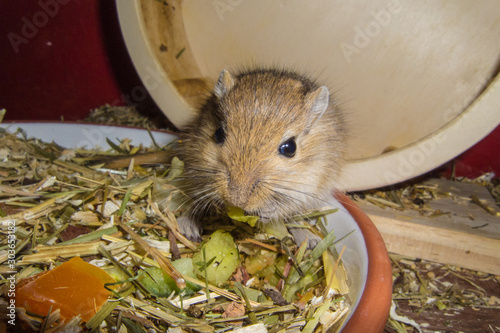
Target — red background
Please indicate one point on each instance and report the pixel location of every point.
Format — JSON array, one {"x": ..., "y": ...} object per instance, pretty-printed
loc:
[
  {"x": 61, "y": 58},
  {"x": 75, "y": 61}
]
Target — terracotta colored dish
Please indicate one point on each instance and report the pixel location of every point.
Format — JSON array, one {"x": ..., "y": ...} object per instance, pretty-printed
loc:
[
  {"x": 365, "y": 256},
  {"x": 373, "y": 308}
]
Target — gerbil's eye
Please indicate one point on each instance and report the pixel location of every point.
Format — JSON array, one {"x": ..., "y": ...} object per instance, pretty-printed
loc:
[
  {"x": 288, "y": 148},
  {"x": 220, "y": 135}
]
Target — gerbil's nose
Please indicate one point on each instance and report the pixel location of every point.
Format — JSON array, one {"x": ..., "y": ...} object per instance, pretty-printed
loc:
[{"x": 240, "y": 193}]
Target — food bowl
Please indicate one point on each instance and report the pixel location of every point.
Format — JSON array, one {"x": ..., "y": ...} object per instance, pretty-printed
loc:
[{"x": 365, "y": 256}]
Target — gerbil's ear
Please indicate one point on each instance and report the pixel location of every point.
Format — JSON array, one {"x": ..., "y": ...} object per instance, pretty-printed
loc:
[
  {"x": 224, "y": 84},
  {"x": 318, "y": 99}
]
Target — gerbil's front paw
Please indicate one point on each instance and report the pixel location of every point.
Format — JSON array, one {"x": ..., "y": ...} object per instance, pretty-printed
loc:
[
  {"x": 301, "y": 234},
  {"x": 190, "y": 228}
]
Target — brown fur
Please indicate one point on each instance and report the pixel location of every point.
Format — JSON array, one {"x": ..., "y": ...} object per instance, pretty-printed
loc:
[{"x": 259, "y": 110}]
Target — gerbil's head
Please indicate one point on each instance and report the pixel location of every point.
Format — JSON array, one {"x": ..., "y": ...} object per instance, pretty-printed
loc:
[{"x": 268, "y": 141}]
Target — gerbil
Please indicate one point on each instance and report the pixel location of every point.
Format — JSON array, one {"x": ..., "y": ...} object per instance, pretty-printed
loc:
[{"x": 269, "y": 141}]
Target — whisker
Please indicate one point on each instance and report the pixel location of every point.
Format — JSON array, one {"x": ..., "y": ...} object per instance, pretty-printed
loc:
[
  {"x": 303, "y": 192},
  {"x": 286, "y": 199}
]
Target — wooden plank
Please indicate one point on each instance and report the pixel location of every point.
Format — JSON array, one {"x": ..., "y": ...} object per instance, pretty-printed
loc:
[
  {"x": 466, "y": 235},
  {"x": 454, "y": 202},
  {"x": 438, "y": 244},
  {"x": 458, "y": 219}
]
